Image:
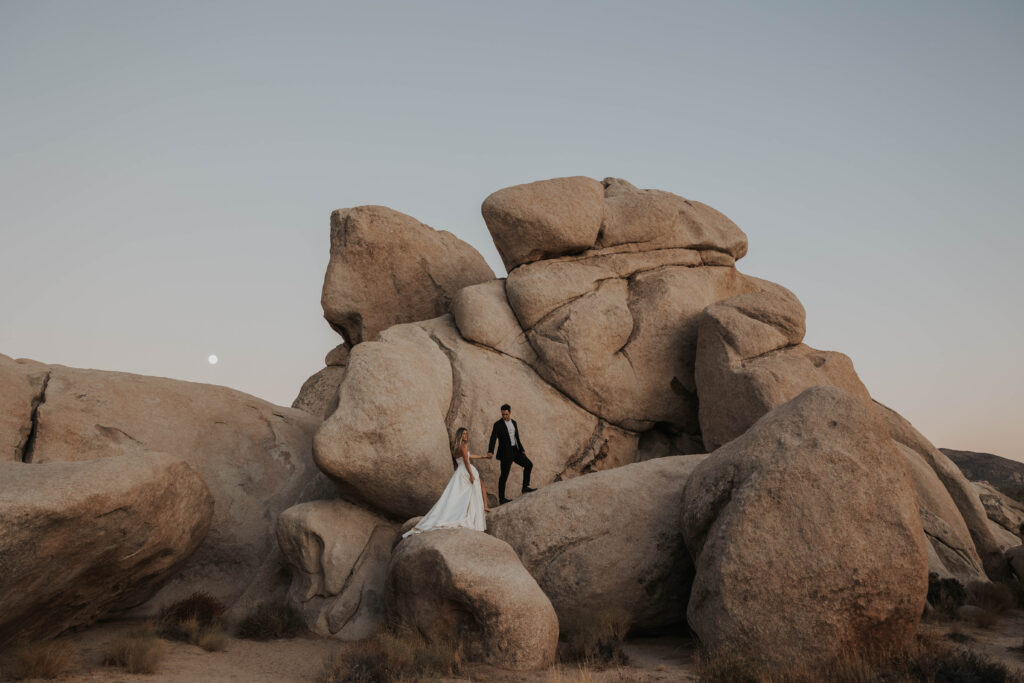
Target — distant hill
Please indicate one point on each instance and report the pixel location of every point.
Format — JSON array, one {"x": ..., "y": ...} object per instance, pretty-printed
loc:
[{"x": 1005, "y": 475}]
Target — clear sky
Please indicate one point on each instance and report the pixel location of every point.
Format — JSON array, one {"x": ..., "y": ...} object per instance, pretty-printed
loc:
[{"x": 168, "y": 169}]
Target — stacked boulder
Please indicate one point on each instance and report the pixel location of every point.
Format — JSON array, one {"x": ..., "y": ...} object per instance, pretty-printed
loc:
[{"x": 622, "y": 334}]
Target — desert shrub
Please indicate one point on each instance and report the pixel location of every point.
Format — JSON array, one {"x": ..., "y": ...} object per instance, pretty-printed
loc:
[
  {"x": 270, "y": 621},
  {"x": 390, "y": 656},
  {"x": 598, "y": 641},
  {"x": 996, "y": 597},
  {"x": 43, "y": 659},
  {"x": 187, "y": 619},
  {"x": 139, "y": 652},
  {"x": 945, "y": 595},
  {"x": 958, "y": 636}
]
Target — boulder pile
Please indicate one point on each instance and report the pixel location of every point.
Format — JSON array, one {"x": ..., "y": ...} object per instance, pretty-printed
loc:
[{"x": 696, "y": 463}]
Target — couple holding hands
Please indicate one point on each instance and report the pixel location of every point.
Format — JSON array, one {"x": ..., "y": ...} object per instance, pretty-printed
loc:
[{"x": 464, "y": 501}]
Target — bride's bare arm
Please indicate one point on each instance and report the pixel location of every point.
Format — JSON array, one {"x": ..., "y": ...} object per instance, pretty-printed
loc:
[{"x": 464, "y": 452}]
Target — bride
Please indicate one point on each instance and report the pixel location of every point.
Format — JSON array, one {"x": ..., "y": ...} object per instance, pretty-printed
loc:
[{"x": 463, "y": 502}]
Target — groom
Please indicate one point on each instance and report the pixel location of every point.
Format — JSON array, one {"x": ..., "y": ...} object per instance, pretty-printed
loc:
[{"x": 510, "y": 450}]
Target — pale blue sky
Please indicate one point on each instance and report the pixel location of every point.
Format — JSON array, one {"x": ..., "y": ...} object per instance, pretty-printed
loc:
[{"x": 167, "y": 170}]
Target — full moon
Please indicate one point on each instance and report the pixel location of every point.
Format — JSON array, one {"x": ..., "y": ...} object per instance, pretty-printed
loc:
[{"x": 212, "y": 359}]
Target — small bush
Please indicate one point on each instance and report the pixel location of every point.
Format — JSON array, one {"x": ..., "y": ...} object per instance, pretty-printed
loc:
[
  {"x": 43, "y": 659},
  {"x": 984, "y": 619},
  {"x": 139, "y": 652},
  {"x": 187, "y": 619},
  {"x": 392, "y": 656},
  {"x": 270, "y": 621},
  {"x": 996, "y": 597},
  {"x": 945, "y": 595},
  {"x": 578, "y": 674},
  {"x": 599, "y": 641},
  {"x": 958, "y": 636},
  {"x": 726, "y": 665}
]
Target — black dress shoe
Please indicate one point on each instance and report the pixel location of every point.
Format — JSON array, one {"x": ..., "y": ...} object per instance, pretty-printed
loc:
[
  {"x": 502, "y": 501},
  {"x": 527, "y": 489}
]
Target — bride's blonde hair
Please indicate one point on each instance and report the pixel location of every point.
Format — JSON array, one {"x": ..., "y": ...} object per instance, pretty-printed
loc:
[{"x": 458, "y": 440}]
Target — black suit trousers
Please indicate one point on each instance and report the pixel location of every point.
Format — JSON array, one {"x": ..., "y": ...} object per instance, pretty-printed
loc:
[{"x": 520, "y": 459}]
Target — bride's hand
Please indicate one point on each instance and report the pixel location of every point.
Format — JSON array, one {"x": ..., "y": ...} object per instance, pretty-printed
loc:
[{"x": 472, "y": 479}]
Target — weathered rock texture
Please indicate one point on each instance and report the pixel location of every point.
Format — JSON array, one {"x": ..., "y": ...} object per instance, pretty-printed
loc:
[
  {"x": 255, "y": 458},
  {"x": 22, "y": 385},
  {"x": 339, "y": 555},
  {"x": 806, "y": 535},
  {"x": 465, "y": 587},
  {"x": 81, "y": 540},
  {"x": 1005, "y": 515},
  {"x": 319, "y": 394},
  {"x": 386, "y": 444},
  {"x": 607, "y": 544},
  {"x": 388, "y": 268},
  {"x": 607, "y": 283}
]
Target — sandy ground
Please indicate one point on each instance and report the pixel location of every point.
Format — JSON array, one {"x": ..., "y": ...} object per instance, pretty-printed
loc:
[{"x": 302, "y": 659}]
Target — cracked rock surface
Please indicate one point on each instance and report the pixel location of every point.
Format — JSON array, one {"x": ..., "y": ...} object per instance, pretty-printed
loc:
[
  {"x": 254, "y": 457},
  {"x": 339, "y": 555}
]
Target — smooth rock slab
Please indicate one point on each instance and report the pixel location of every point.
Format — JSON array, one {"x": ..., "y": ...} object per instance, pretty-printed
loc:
[
  {"x": 339, "y": 555},
  {"x": 464, "y": 586},
  {"x": 82, "y": 540},
  {"x": 806, "y": 535},
  {"x": 607, "y": 543}
]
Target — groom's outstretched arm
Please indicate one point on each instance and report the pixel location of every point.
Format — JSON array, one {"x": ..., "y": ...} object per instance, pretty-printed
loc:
[{"x": 492, "y": 440}]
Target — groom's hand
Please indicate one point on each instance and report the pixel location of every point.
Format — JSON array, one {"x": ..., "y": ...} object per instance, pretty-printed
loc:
[{"x": 490, "y": 455}]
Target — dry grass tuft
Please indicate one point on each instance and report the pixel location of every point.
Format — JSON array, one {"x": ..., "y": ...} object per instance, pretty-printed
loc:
[
  {"x": 394, "y": 656},
  {"x": 925, "y": 659},
  {"x": 194, "y": 619},
  {"x": 995, "y": 597},
  {"x": 271, "y": 621},
  {"x": 43, "y": 659},
  {"x": 139, "y": 652},
  {"x": 945, "y": 595},
  {"x": 598, "y": 643},
  {"x": 580, "y": 673}
]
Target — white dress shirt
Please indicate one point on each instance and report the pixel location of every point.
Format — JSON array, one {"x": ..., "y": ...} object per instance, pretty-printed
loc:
[{"x": 511, "y": 432}]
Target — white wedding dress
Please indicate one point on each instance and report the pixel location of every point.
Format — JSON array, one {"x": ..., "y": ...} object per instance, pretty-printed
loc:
[{"x": 461, "y": 505}]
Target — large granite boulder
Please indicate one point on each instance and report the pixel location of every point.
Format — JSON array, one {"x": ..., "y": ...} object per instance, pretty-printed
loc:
[
  {"x": 255, "y": 458},
  {"x": 806, "y": 535},
  {"x": 339, "y": 555},
  {"x": 386, "y": 444},
  {"x": 608, "y": 289},
  {"x": 544, "y": 219},
  {"x": 83, "y": 540},
  {"x": 750, "y": 360},
  {"x": 388, "y": 268},
  {"x": 608, "y": 543},
  {"x": 463, "y": 586}
]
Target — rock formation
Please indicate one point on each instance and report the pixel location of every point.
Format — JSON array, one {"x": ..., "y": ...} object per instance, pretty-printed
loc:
[
  {"x": 254, "y": 457},
  {"x": 83, "y": 540},
  {"x": 607, "y": 543},
  {"x": 806, "y": 536},
  {"x": 388, "y": 268},
  {"x": 467, "y": 588}
]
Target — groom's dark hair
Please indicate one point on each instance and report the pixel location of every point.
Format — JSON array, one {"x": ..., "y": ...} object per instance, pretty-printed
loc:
[{"x": 505, "y": 406}]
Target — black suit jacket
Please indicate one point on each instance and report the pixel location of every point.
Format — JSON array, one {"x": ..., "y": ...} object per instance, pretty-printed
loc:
[{"x": 499, "y": 433}]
